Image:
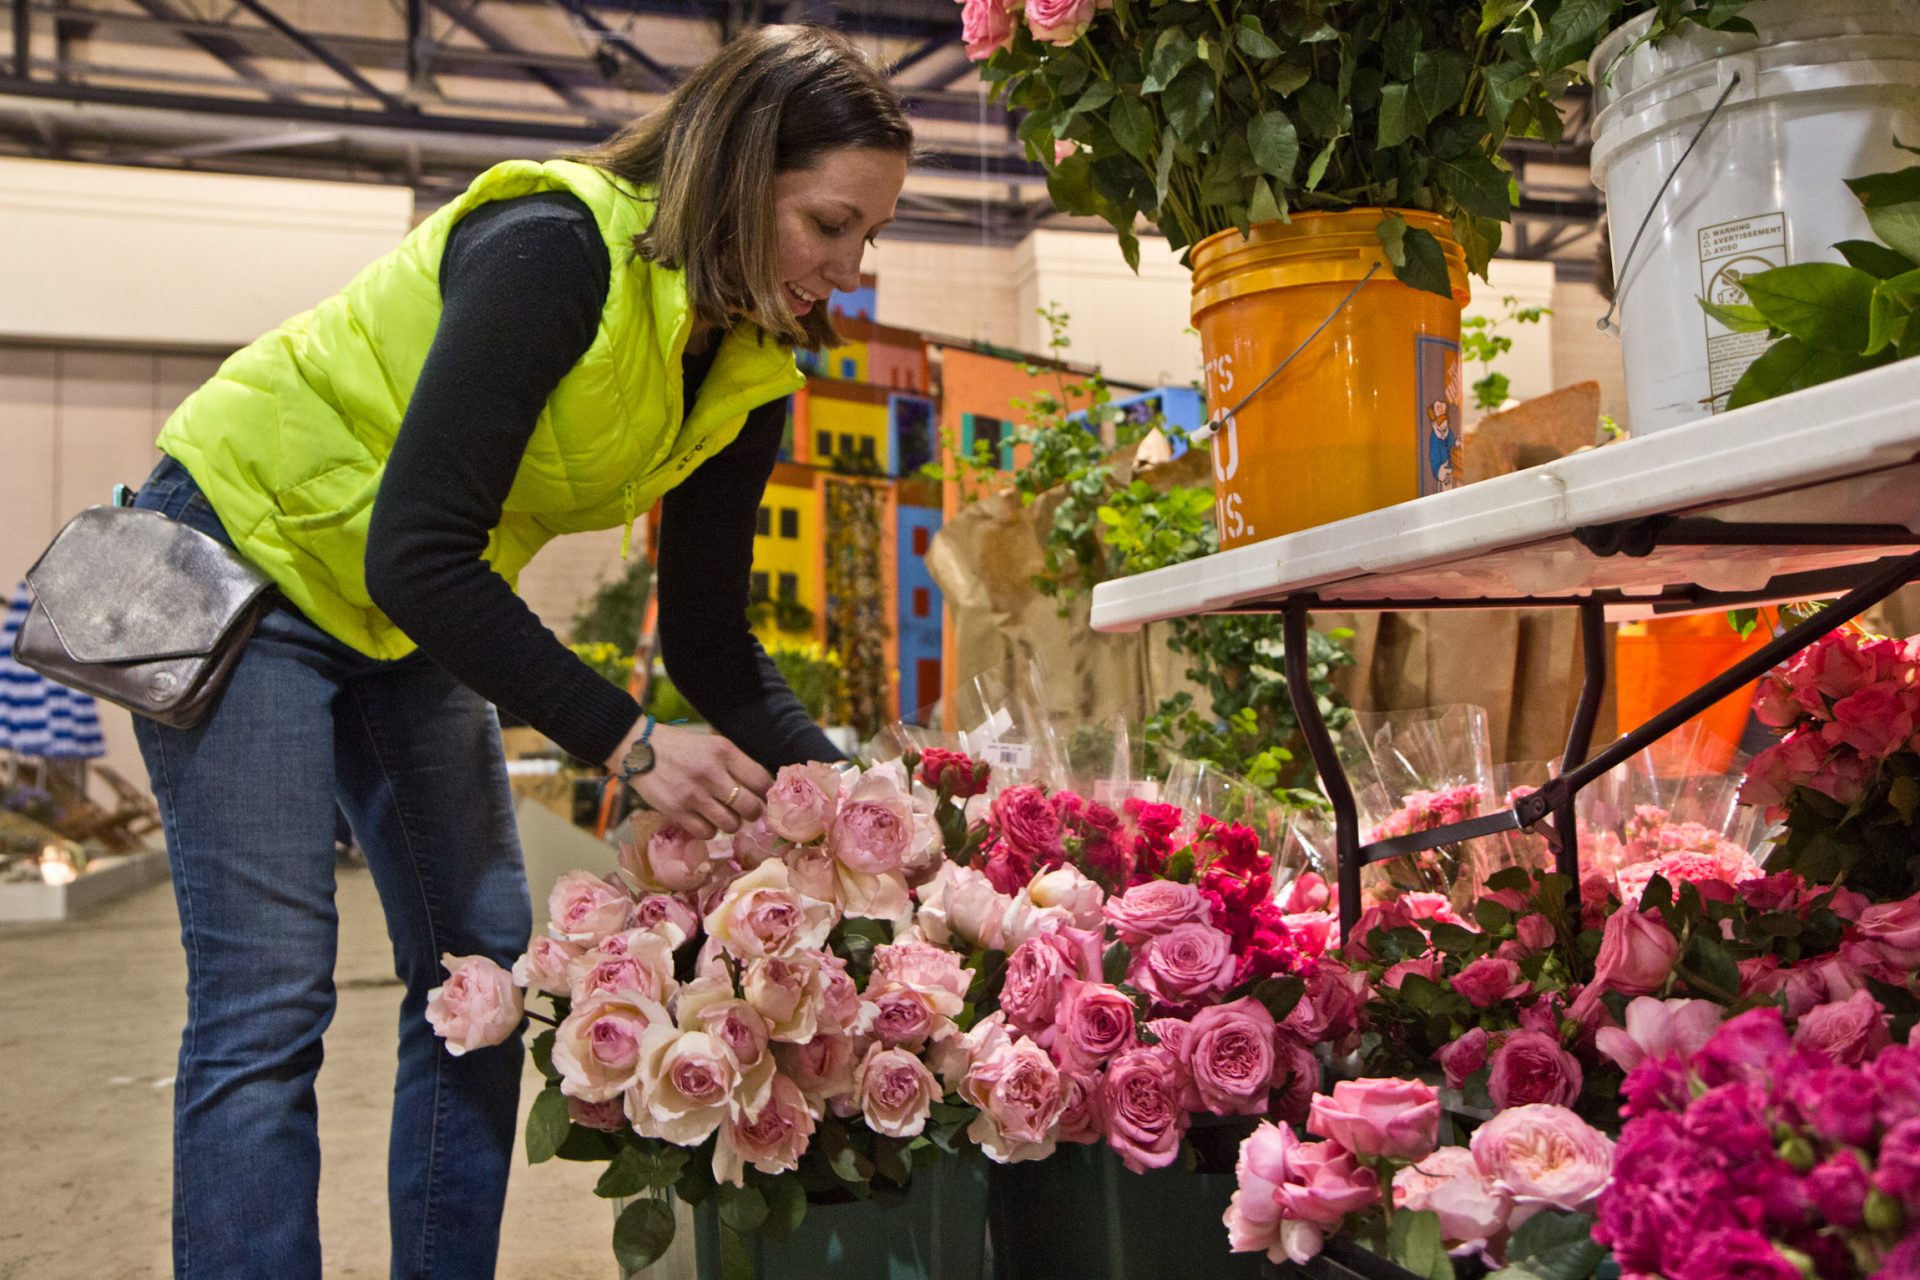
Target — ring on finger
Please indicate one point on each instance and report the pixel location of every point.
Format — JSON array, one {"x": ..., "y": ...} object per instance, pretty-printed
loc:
[{"x": 732, "y": 796}]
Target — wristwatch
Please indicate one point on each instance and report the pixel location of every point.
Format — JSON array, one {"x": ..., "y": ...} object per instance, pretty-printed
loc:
[{"x": 639, "y": 757}]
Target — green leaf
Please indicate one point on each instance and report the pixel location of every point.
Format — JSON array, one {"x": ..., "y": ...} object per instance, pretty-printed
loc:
[
  {"x": 1318, "y": 169},
  {"x": 629, "y": 1174},
  {"x": 542, "y": 1051},
  {"x": 742, "y": 1208},
  {"x": 1132, "y": 126},
  {"x": 1507, "y": 83},
  {"x": 1824, "y": 304},
  {"x": 1415, "y": 1242},
  {"x": 1098, "y": 95},
  {"x": 1280, "y": 995},
  {"x": 1321, "y": 112},
  {"x": 1714, "y": 963},
  {"x": 1399, "y": 118},
  {"x": 1875, "y": 259},
  {"x": 1287, "y": 78},
  {"x": 1739, "y": 317},
  {"x": 1114, "y": 964},
  {"x": 1392, "y": 232},
  {"x": 1790, "y": 365},
  {"x": 1571, "y": 31},
  {"x": 547, "y": 1125},
  {"x": 1478, "y": 184},
  {"x": 1426, "y": 264},
  {"x": 1188, "y": 100},
  {"x": 786, "y": 1207},
  {"x": 1904, "y": 796},
  {"x": 1438, "y": 81},
  {"x": 1899, "y": 226},
  {"x": 642, "y": 1233},
  {"x": 1276, "y": 146},
  {"x": 1553, "y": 1246},
  {"x": 736, "y": 1260},
  {"x": 1172, "y": 54},
  {"x": 1252, "y": 40},
  {"x": 1891, "y": 313},
  {"x": 1886, "y": 190},
  {"x": 1264, "y": 207}
]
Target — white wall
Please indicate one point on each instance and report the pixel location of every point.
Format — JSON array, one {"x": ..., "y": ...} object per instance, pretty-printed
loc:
[
  {"x": 106, "y": 255},
  {"x": 947, "y": 290},
  {"x": 1529, "y": 366},
  {"x": 1135, "y": 327}
]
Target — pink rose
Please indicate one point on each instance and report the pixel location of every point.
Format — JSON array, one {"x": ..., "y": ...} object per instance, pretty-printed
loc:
[
  {"x": 1535, "y": 933},
  {"x": 1876, "y": 721},
  {"x": 986, "y": 26},
  {"x": 477, "y": 1006},
  {"x": 1463, "y": 1057},
  {"x": 1292, "y": 1192},
  {"x": 583, "y": 908},
  {"x": 896, "y": 1092},
  {"x": 1637, "y": 953},
  {"x": 1543, "y": 1155},
  {"x": 901, "y": 1019},
  {"x": 661, "y": 858},
  {"x": 771, "y": 1142},
  {"x": 1843, "y": 778},
  {"x": 874, "y": 828},
  {"x": 961, "y": 903},
  {"x": 788, "y": 993},
  {"x": 687, "y": 1079},
  {"x": 1154, "y": 907},
  {"x": 1095, "y": 1022},
  {"x": 1427, "y": 966},
  {"x": 801, "y": 803},
  {"x": 1892, "y": 929},
  {"x": 1773, "y": 703},
  {"x": 1185, "y": 965},
  {"x": 1488, "y": 981},
  {"x": 1448, "y": 1184},
  {"x": 1031, "y": 990},
  {"x": 665, "y": 914},
  {"x": 1656, "y": 1028},
  {"x": 1080, "y": 1118},
  {"x": 822, "y": 1068},
  {"x": 1230, "y": 1054},
  {"x": 1026, "y": 822},
  {"x": 957, "y": 772},
  {"x": 1530, "y": 1067},
  {"x": 1020, "y": 1095},
  {"x": 840, "y": 997},
  {"x": 596, "y": 1048},
  {"x": 732, "y": 1023},
  {"x": 934, "y": 973},
  {"x": 544, "y": 966},
  {"x": 1791, "y": 762},
  {"x": 1376, "y": 1117},
  {"x": 1847, "y": 1031},
  {"x": 1296, "y": 1078},
  {"x": 761, "y": 915},
  {"x": 754, "y": 843},
  {"x": 637, "y": 963},
  {"x": 1330, "y": 1011},
  {"x": 1141, "y": 1102},
  {"x": 609, "y": 1116},
  {"x": 1832, "y": 666},
  {"x": 1065, "y": 889},
  {"x": 1059, "y": 21}
]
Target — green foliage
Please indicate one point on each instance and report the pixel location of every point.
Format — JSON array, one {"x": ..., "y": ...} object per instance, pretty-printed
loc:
[
  {"x": 642, "y": 1233},
  {"x": 1208, "y": 116},
  {"x": 1482, "y": 342},
  {"x": 1829, "y": 319},
  {"x": 616, "y": 612},
  {"x": 1553, "y": 1245},
  {"x": 546, "y": 1125}
]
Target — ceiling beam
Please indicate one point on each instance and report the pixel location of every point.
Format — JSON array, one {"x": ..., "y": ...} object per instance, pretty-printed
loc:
[
  {"x": 320, "y": 53},
  {"x": 606, "y": 36},
  {"x": 491, "y": 36}
]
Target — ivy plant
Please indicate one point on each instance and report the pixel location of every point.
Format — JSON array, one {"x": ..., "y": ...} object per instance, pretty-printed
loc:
[
  {"x": 1831, "y": 319},
  {"x": 1201, "y": 115},
  {"x": 1482, "y": 342}
]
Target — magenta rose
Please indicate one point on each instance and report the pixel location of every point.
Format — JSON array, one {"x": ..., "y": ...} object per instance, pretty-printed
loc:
[
  {"x": 1838, "y": 1187},
  {"x": 1154, "y": 907},
  {"x": 583, "y": 908},
  {"x": 1427, "y": 966},
  {"x": 1375, "y": 1117},
  {"x": 958, "y": 773},
  {"x": 1529, "y": 1067},
  {"x": 1026, "y": 822},
  {"x": 1462, "y": 1057},
  {"x": 1095, "y": 1022},
  {"x": 802, "y": 801},
  {"x": 1186, "y": 965},
  {"x": 1487, "y": 982},
  {"x": 1141, "y": 1102},
  {"x": 1847, "y": 1031},
  {"x": 1059, "y": 21},
  {"x": 986, "y": 26},
  {"x": 1230, "y": 1054},
  {"x": 1745, "y": 1048},
  {"x": 1897, "y": 1171},
  {"x": 476, "y": 1007},
  {"x": 873, "y": 829}
]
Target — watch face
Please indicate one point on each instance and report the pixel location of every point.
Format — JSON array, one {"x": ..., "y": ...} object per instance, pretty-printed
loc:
[{"x": 639, "y": 759}]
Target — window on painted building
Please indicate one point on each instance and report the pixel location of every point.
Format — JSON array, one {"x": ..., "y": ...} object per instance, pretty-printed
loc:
[
  {"x": 866, "y": 448},
  {"x": 823, "y": 443},
  {"x": 763, "y": 523},
  {"x": 849, "y": 367},
  {"x": 846, "y": 443},
  {"x": 758, "y": 589},
  {"x": 789, "y": 587},
  {"x": 922, "y": 602},
  {"x": 922, "y": 539},
  {"x": 789, "y": 522}
]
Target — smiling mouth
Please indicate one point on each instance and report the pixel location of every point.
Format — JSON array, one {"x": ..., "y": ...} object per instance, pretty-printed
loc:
[{"x": 801, "y": 299}]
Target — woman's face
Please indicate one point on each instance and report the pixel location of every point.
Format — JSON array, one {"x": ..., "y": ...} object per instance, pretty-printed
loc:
[{"x": 827, "y": 215}]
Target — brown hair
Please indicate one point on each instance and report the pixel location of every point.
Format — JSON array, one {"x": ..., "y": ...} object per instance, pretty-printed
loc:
[{"x": 772, "y": 101}]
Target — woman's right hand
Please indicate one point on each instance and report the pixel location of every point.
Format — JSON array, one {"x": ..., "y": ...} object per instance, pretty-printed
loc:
[{"x": 699, "y": 781}]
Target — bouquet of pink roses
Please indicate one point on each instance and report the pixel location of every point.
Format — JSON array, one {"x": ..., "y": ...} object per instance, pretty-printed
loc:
[{"x": 1845, "y": 775}]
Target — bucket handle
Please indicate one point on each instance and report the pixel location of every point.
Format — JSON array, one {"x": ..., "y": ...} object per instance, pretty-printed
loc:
[
  {"x": 1605, "y": 323},
  {"x": 1213, "y": 424}
]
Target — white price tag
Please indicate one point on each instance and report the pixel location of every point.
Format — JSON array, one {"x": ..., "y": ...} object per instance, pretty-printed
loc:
[
  {"x": 1008, "y": 755},
  {"x": 976, "y": 742}
]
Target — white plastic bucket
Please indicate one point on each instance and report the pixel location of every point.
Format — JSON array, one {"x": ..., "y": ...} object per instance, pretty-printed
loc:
[{"x": 1823, "y": 91}]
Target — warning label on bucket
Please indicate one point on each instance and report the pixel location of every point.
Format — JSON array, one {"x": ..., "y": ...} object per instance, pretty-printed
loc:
[{"x": 1730, "y": 252}]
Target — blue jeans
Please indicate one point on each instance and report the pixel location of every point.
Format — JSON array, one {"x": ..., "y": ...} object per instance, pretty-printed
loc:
[{"x": 413, "y": 759}]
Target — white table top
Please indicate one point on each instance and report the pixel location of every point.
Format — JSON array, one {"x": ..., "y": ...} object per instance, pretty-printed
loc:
[{"x": 1846, "y": 452}]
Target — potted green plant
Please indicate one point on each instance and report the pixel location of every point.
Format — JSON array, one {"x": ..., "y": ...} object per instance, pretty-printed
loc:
[{"x": 1329, "y": 163}]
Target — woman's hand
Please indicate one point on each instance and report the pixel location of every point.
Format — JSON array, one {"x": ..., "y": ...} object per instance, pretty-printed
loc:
[{"x": 700, "y": 781}]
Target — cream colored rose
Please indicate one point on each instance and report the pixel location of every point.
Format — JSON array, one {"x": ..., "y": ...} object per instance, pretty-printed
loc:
[
  {"x": 1067, "y": 889},
  {"x": 896, "y": 1091},
  {"x": 685, "y": 1088},
  {"x": 787, "y": 992},
  {"x": 762, "y": 915}
]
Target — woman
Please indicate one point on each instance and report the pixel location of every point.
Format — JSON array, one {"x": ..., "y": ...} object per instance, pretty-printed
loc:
[{"x": 553, "y": 351}]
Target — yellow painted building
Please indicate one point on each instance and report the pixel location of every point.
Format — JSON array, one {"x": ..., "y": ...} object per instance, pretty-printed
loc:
[
  {"x": 786, "y": 551},
  {"x": 845, "y": 424}
]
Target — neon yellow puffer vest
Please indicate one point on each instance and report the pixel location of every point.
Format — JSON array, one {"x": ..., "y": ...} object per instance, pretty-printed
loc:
[{"x": 289, "y": 439}]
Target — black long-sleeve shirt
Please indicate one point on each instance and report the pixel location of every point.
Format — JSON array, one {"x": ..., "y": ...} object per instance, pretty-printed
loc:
[{"x": 522, "y": 285}]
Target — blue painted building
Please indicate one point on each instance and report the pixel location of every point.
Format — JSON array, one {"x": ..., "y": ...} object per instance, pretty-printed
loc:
[{"x": 920, "y": 613}]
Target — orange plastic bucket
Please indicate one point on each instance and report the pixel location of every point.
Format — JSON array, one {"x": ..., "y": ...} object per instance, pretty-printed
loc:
[{"x": 1368, "y": 414}]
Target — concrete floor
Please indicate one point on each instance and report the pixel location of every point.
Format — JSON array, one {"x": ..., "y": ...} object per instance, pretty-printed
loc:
[{"x": 90, "y": 1018}]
